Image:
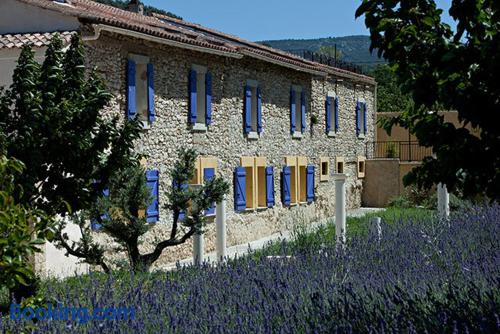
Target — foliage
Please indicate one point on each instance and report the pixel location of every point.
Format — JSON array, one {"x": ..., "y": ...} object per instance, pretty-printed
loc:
[
  {"x": 390, "y": 97},
  {"x": 355, "y": 49},
  {"x": 425, "y": 276},
  {"x": 331, "y": 51},
  {"x": 22, "y": 231},
  {"x": 53, "y": 121},
  {"x": 148, "y": 10},
  {"x": 454, "y": 68},
  {"x": 125, "y": 219},
  {"x": 414, "y": 197}
]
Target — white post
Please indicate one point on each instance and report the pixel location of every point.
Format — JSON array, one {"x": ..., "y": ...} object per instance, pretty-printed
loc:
[
  {"x": 198, "y": 249},
  {"x": 220, "y": 219},
  {"x": 443, "y": 201},
  {"x": 340, "y": 213},
  {"x": 376, "y": 227}
]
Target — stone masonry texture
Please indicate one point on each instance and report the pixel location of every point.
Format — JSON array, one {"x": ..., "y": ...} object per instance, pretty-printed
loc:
[{"x": 225, "y": 139}]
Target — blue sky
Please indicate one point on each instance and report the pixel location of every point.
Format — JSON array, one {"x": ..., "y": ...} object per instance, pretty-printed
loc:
[{"x": 274, "y": 19}]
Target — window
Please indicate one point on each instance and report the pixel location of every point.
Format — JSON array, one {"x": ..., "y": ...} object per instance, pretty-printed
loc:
[
  {"x": 340, "y": 165},
  {"x": 205, "y": 170},
  {"x": 200, "y": 98},
  {"x": 297, "y": 181},
  {"x": 324, "y": 169},
  {"x": 254, "y": 184},
  {"x": 332, "y": 114},
  {"x": 252, "y": 109},
  {"x": 140, "y": 89},
  {"x": 361, "y": 167},
  {"x": 361, "y": 118},
  {"x": 153, "y": 210},
  {"x": 297, "y": 111}
]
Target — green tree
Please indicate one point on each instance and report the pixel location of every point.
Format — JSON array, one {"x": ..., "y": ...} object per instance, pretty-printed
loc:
[
  {"x": 455, "y": 68},
  {"x": 125, "y": 221},
  {"x": 390, "y": 97},
  {"x": 53, "y": 122},
  {"x": 22, "y": 231},
  {"x": 331, "y": 51}
]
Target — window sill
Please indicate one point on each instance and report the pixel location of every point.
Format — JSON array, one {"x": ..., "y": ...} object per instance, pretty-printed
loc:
[
  {"x": 146, "y": 125},
  {"x": 199, "y": 127},
  {"x": 253, "y": 135},
  {"x": 361, "y": 136},
  {"x": 297, "y": 135},
  {"x": 332, "y": 134},
  {"x": 324, "y": 179}
]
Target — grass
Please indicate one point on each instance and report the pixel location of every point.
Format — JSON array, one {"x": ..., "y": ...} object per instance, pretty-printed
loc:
[{"x": 304, "y": 239}]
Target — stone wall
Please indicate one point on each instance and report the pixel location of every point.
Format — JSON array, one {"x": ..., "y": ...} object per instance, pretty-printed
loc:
[{"x": 225, "y": 138}]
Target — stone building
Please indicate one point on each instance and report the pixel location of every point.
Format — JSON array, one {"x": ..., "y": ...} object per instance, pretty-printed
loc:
[{"x": 276, "y": 126}]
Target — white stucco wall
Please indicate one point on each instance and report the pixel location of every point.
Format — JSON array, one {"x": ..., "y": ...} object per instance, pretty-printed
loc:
[
  {"x": 8, "y": 62},
  {"x": 17, "y": 17}
]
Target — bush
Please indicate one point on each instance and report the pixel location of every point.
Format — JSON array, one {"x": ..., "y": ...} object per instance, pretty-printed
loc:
[
  {"x": 22, "y": 231},
  {"x": 425, "y": 276}
]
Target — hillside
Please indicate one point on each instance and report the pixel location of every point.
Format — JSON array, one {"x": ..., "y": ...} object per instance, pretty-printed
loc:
[{"x": 355, "y": 49}]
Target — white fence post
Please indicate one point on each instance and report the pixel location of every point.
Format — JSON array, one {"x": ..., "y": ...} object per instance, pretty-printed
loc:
[
  {"x": 220, "y": 219},
  {"x": 340, "y": 211},
  {"x": 376, "y": 227},
  {"x": 443, "y": 201},
  {"x": 198, "y": 249}
]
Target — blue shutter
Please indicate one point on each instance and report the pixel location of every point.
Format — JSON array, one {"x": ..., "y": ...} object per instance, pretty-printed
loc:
[
  {"x": 104, "y": 216},
  {"x": 152, "y": 211},
  {"x": 192, "y": 97},
  {"x": 209, "y": 174},
  {"x": 131, "y": 94},
  {"x": 328, "y": 114},
  {"x": 248, "y": 109},
  {"x": 303, "y": 111},
  {"x": 292, "y": 111},
  {"x": 285, "y": 186},
  {"x": 364, "y": 118},
  {"x": 151, "y": 94},
  {"x": 358, "y": 125},
  {"x": 336, "y": 114},
  {"x": 259, "y": 110},
  {"x": 184, "y": 186},
  {"x": 310, "y": 183},
  {"x": 240, "y": 202},
  {"x": 270, "y": 187},
  {"x": 208, "y": 99}
]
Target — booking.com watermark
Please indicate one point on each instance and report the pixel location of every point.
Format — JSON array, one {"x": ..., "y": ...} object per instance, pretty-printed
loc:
[{"x": 77, "y": 314}]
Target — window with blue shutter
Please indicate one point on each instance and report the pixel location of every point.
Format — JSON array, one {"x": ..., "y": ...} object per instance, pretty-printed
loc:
[
  {"x": 293, "y": 110},
  {"x": 358, "y": 118},
  {"x": 259, "y": 111},
  {"x": 328, "y": 114},
  {"x": 131, "y": 91},
  {"x": 153, "y": 210},
  {"x": 310, "y": 183},
  {"x": 151, "y": 94},
  {"x": 248, "y": 110},
  {"x": 240, "y": 203},
  {"x": 208, "y": 99},
  {"x": 285, "y": 186},
  {"x": 184, "y": 186},
  {"x": 364, "y": 118},
  {"x": 95, "y": 225},
  {"x": 209, "y": 174},
  {"x": 303, "y": 111},
  {"x": 270, "y": 187},
  {"x": 336, "y": 114},
  {"x": 193, "y": 96}
]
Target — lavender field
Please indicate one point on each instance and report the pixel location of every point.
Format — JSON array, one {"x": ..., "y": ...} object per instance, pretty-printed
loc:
[{"x": 422, "y": 276}]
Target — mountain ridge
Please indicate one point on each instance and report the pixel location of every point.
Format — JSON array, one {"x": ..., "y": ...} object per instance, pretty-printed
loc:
[{"x": 354, "y": 48}]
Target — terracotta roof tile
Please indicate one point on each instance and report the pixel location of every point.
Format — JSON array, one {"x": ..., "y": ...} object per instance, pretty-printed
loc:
[
  {"x": 11, "y": 41},
  {"x": 184, "y": 32}
]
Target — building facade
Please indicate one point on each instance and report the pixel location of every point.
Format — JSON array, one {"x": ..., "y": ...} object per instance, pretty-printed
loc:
[{"x": 275, "y": 126}]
